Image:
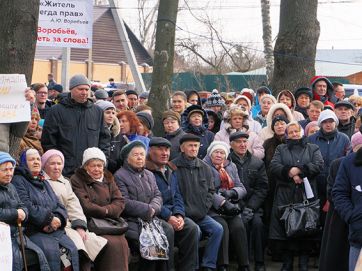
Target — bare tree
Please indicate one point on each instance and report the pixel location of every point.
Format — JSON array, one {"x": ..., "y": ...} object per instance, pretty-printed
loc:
[
  {"x": 267, "y": 38},
  {"x": 295, "y": 48},
  {"x": 147, "y": 26}
]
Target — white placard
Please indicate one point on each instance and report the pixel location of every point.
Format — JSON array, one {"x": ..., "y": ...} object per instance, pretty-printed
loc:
[
  {"x": 13, "y": 106},
  {"x": 308, "y": 189},
  {"x": 65, "y": 23},
  {"x": 6, "y": 251}
]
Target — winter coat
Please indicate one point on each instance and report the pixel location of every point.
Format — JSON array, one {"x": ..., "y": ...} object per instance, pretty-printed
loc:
[
  {"x": 334, "y": 250},
  {"x": 329, "y": 98},
  {"x": 116, "y": 144},
  {"x": 103, "y": 200},
  {"x": 304, "y": 122},
  {"x": 261, "y": 119},
  {"x": 252, "y": 173},
  {"x": 196, "y": 183},
  {"x": 254, "y": 126},
  {"x": 140, "y": 192},
  {"x": 9, "y": 203},
  {"x": 267, "y": 132},
  {"x": 347, "y": 129},
  {"x": 174, "y": 138},
  {"x": 232, "y": 171},
  {"x": 43, "y": 206},
  {"x": 303, "y": 111},
  {"x": 347, "y": 196},
  {"x": 167, "y": 183},
  {"x": 76, "y": 218},
  {"x": 255, "y": 144},
  {"x": 71, "y": 128},
  {"x": 295, "y": 153}
]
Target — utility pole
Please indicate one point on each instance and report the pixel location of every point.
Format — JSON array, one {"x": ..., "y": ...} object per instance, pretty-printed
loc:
[
  {"x": 126, "y": 43},
  {"x": 163, "y": 61}
]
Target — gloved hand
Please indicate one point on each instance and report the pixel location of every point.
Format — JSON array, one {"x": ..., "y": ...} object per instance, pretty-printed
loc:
[
  {"x": 247, "y": 214},
  {"x": 229, "y": 194},
  {"x": 230, "y": 209}
]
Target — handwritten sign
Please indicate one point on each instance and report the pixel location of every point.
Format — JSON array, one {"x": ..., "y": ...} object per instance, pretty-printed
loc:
[
  {"x": 13, "y": 106},
  {"x": 6, "y": 252},
  {"x": 65, "y": 23}
]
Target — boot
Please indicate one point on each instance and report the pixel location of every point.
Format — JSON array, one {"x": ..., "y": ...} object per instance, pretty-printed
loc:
[
  {"x": 287, "y": 262},
  {"x": 303, "y": 262}
]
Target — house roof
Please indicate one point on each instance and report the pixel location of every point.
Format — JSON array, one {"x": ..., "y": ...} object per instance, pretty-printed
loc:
[
  {"x": 339, "y": 63},
  {"x": 107, "y": 45}
]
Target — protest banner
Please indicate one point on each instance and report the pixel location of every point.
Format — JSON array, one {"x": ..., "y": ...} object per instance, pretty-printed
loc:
[
  {"x": 13, "y": 106},
  {"x": 6, "y": 251},
  {"x": 65, "y": 23}
]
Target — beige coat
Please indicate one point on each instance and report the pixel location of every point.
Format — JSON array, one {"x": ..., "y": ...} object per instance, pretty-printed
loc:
[{"x": 94, "y": 244}]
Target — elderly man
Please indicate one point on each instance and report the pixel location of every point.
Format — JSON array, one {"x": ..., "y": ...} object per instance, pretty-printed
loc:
[
  {"x": 196, "y": 184},
  {"x": 344, "y": 112},
  {"x": 323, "y": 90},
  {"x": 74, "y": 125},
  {"x": 133, "y": 100},
  {"x": 186, "y": 233},
  {"x": 252, "y": 174}
]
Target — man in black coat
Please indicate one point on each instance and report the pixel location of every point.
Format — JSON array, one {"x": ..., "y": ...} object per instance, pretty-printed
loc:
[
  {"x": 252, "y": 174},
  {"x": 74, "y": 125}
]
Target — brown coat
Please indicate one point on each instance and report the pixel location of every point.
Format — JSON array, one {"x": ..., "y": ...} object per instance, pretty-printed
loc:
[{"x": 103, "y": 199}]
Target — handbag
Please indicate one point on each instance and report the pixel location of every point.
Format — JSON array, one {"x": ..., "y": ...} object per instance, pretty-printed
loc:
[
  {"x": 300, "y": 219},
  {"x": 153, "y": 241},
  {"x": 107, "y": 226}
]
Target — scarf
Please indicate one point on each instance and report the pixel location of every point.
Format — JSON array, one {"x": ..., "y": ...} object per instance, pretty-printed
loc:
[{"x": 226, "y": 182}]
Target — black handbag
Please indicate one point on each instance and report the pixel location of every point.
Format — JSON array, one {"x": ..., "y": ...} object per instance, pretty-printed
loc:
[
  {"x": 300, "y": 219},
  {"x": 107, "y": 226}
]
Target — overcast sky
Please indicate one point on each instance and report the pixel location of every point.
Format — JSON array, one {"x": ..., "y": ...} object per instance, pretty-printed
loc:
[{"x": 240, "y": 21}]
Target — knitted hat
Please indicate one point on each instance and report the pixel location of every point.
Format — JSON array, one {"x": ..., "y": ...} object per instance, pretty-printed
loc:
[
  {"x": 309, "y": 126},
  {"x": 159, "y": 141},
  {"x": 104, "y": 105},
  {"x": 48, "y": 154},
  {"x": 215, "y": 99},
  {"x": 5, "y": 157},
  {"x": 171, "y": 114},
  {"x": 146, "y": 119},
  {"x": 237, "y": 135},
  {"x": 78, "y": 79},
  {"x": 327, "y": 114},
  {"x": 189, "y": 137},
  {"x": 244, "y": 98},
  {"x": 127, "y": 149},
  {"x": 131, "y": 91},
  {"x": 218, "y": 145},
  {"x": 303, "y": 90},
  {"x": 263, "y": 89},
  {"x": 344, "y": 103},
  {"x": 356, "y": 140},
  {"x": 93, "y": 153},
  {"x": 57, "y": 87},
  {"x": 268, "y": 96},
  {"x": 278, "y": 118},
  {"x": 101, "y": 94}
]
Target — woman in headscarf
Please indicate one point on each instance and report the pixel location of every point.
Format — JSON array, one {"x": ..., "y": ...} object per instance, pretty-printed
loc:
[
  {"x": 293, "y": 161},
  {"x": 13, "y": 211},
  {"x": 229, "y": 191},
  {"x": 47, "y": 216},
  {"x": 89, "y": 244},
  {"x": 100, "y": 198}
]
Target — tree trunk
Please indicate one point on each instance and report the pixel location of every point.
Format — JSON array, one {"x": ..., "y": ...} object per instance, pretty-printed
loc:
[
  {"x": 163, "y": 61},
  {"x": 295, "y": 48},
  {"x": 267, "y": 39},
  {"x": 18, "y": 34}
]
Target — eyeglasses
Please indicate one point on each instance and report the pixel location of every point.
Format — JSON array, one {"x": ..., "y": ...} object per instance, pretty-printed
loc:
[
  {"x": 7, "y": 169},
  {"x": 42, "y": 93}
]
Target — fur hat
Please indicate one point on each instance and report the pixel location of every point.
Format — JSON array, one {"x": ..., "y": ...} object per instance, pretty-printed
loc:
[
  {"x": 268, "y": 96},
  {"x": 218, "y": 145},
  {"x": 77, "y": 80},
  {"x": 171, "y": 114},
  {"x": 244, "y": 97},
  {"x": 93, "y": 153}
]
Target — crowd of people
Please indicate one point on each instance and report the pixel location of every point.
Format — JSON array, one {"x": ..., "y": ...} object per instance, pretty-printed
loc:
[{"x": 217, "y": 180}]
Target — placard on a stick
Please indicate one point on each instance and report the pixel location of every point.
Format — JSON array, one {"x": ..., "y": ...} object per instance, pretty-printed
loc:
[{"x": 6, "y": 252}]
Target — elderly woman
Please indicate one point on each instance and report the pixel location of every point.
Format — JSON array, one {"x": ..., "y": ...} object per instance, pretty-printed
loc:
[
  {"x": 226, "y": 210},
  {"x": 13, "y": 211},
  {"x": 89, "y": 245},
  {"x": 31, "y": 139},
  {"x": 47, "y": 216},
  {"x": 100, "y": 198},
  {"x": 291, "y": 163},
  {"x": 236, "y": 119},
  {"x": 143, "y": 200}
]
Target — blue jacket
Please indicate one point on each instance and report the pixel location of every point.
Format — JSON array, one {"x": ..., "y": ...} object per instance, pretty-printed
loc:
[
  {"x": 173, "y": 203},
  {"x": 347, "y": 196}
]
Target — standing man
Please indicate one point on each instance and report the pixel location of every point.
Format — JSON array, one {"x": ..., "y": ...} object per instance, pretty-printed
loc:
[
  {"x": 339, "y": 91},
  {"x": 313, "y": 111},
  {"x": 133, "y": 100},
  {"x": 119, "y": 99},
  {"x": 74, "y": 125},
  {"x": 51, "y": 81},
  {"x": 196, "y": 184},
  {"x": 344, "y": 112},
  {"x": 323, "y": 90},
  {"x": 252, "y": 174},
  {"x": 186, "y": 233}
]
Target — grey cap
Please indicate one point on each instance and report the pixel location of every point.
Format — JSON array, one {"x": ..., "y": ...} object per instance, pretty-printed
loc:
[
  {"x": 101, "y": 94},
  {"x": 104, "y": 105},
  {"x": 78, "y": 79}
]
